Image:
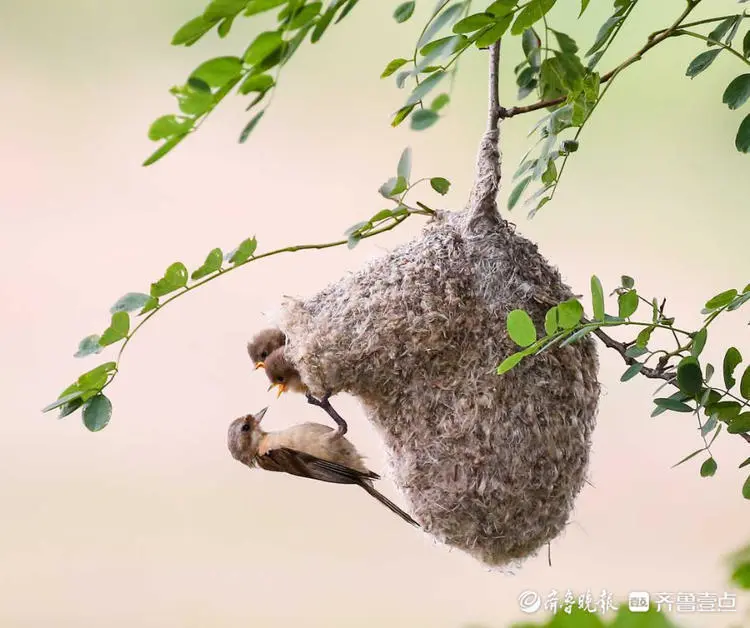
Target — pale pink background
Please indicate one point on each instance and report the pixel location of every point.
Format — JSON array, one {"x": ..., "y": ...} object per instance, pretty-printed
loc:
[{"x": 151, "y": 522}]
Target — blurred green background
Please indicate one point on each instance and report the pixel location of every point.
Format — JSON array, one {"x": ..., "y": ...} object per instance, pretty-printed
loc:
[{"x": 150, "y": 522}]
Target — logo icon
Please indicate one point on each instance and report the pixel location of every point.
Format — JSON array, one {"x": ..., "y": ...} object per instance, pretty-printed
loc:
[
  {"x": 639, "y": 601},
  {"x": 530, "y": 601}
]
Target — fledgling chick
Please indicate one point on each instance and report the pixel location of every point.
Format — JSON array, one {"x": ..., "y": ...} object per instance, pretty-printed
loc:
[
  {"x": 263, "y": 344},
  {"x": 285, "y": 376},
  {"x": 305, "y": 450}
]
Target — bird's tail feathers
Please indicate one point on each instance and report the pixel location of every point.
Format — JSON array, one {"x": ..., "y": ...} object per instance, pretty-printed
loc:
[{"x": 388, "y": 503}]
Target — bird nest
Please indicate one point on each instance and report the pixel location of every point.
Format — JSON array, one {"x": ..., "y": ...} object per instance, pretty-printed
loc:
[{"x": 489, "y": 464}]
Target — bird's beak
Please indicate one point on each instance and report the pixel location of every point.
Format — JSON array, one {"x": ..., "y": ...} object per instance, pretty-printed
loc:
[
  {"x": 259, "y": 415},
  {"x": 281, "y": 387},
  {"x": 259, "y": 365}
]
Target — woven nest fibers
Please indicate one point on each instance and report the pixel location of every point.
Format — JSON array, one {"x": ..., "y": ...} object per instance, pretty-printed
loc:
[{"x": 489, "y": 464}]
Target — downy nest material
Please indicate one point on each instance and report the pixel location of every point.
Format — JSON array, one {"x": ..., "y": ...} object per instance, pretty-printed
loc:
[{"x": 488, "y": 464}]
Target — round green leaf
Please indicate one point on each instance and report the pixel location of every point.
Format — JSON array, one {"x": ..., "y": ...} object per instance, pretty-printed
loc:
[
  {"x": 244, "y": 251},
  {"x": 117, "y": 330},
  {"x": 742, "y": 141},
  {"x": 440, "y": 185},
  {"x": 689, "y": 376},
  {"x": 508, "y": 363},
  {"x": 422, "y": 118},
  {"x": 97, "y": 413},
  {"x": 708, "y": 468},
  {"x": 550, "y": 321},
  {"x": 627, "y": 303},
  {"x": 569, "y": 313},
  {"x": 219, "y": 71},
  {"x": 168, "y": 126},
  {"x": 256, "y": 83},
  {"x": 88, "y": 346},
  {"x": 721, "y": 299},
  {"x": 304, "y": 15},
  {"x": 473, "y": 23},
  {"x": 737, "y": 92},
  {"x": 404, "y": 11},
  {"x": 521, "y": 328},
  {"x": 740, "y": 424}
]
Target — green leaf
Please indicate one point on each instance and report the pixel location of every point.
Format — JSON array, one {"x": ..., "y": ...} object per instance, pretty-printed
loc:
[
  {"x": 722, "y": 29},
  {"x": 635, "y": 351},
  {"x": 745, "y": 383},
  {"x": 473, "y": 23},
  {"x": 404, "y": 164},
  {"x": 304, "y": 15},
  {"x": 745, "y": 463},
  {"x": 441, "y": 101},
  {"x": 263, "y": 46},
  {"x": 164, "y": 149},
  {"x": 440, "y": 185},
  {"x": 211, "y": 265},
  {"x": 404, "y": 11},
  {"x": 740, "y": 424},
  {"x": 686, "y": 458},
  {"x": 737, "y": 92},
  {"x": 218, "y": 9},
  {"x": 63, "y": 399},
  {"x": 721, "y": 299},
  {"x": 225, "y": 26},
  {"x": 325, "y": 20},
  {"x": 699, "y": 341},
  {"x": 88, "y": 346},
  {"x": 442, "y": 19},
  {"x": 509, "y": 362},
  {"x": 584, "y": 4},
  {"x": 219, "y": 71},
  {"x": 168, "y": 126},
  {"x": 393, "y": 187},
  {"x": 192, "y": 31},
  {"x": 117, "y": 330},
  {"x": 689, "y": 376},
  {"x": 492, "y": 34},
  {"x": 250, "y": 126},
  {"x": 701, "y": 62},
  {"x": 746, "y": 45},
  {"x": 732, "y": 359},
  {"x": 708, "y": 468},
  {"x": 724, "y": 410},
  {"x": 349, "y": 6},
  {"x": 130, "y": 302},
  {"x": 175, "y": 277},
  {"x": 256, "y": 83},
  {"x": 422, "y": 118},
  {"x": 627, "y": 282},
  {"x": 97, "y": 412},
  {"x": 565, "y": 42},
  {"x": 603, "y": 34},
  {"x": 746, "y": 488},
  {"x": 742, "y": 141},
  {"x": 597, "y": 296},
  {"x": 643, "y": 337},
  {"x": 550, "y": 321},
  {"x": 534, "y": 11},
  {"x": 574, "y": 337},
  {"x": 569, "y": 313},
  {"x": 627, "y": 303},
  {"x": 152, "y": 304},
  {"x": 392, "y": 66},
  {"x": 421, "y": 90},
  {"x": 672, "y": 404},
  {"x": 521, "y": 328},
  {"x": 631, "y": 372},
  {"x": 515, "y": 195},
  {"x": 94, "y": 380},
  {"x": 244, "y": 251}
]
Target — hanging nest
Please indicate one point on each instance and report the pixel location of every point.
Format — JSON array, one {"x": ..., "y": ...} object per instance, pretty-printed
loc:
[{"x": 488, "y": 464}]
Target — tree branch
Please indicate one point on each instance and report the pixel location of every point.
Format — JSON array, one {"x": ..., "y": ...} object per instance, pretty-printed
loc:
[{"x": 653, "y": 40}]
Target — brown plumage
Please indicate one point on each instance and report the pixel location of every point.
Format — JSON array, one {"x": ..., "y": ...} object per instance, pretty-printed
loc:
[
  {"x": 263, "y": 344},
  {"x": 309, "y": 450}
]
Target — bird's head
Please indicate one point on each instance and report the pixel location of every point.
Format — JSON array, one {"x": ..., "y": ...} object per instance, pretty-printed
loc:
[
  {"x": 244, "y": 436},
  {"x": 263, "y": 344},
  {"x": 282, "y": 373}
]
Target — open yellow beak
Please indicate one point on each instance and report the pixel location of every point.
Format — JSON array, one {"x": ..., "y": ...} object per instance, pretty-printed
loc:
[
  {"x": 281, "y": 387},
  {"x": 259, "y": 365}
]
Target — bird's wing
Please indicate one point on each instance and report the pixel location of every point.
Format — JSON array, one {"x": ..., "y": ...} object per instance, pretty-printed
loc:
[{"x": 308, "y": 466}]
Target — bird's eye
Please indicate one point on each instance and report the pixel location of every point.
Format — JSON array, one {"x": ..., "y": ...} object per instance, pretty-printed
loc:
[
  {"x": 264, "y": 354},
  {"x": 280, "y": 379},
  {"x": 246, "y": 427}
]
